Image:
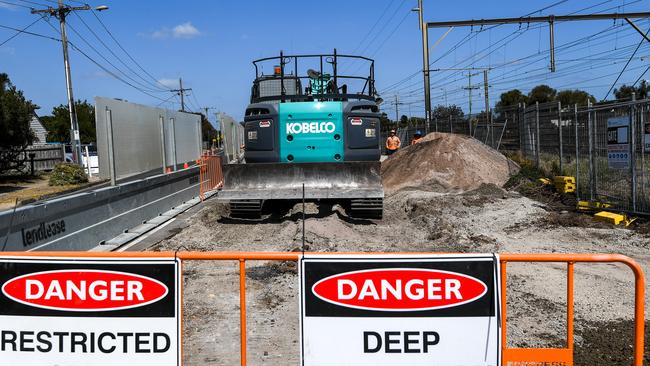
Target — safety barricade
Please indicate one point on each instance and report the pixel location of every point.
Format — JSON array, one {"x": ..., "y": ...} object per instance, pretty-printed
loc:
[
  {"x": 510, "y": 356},
  {"x": 211, "y": 175}
]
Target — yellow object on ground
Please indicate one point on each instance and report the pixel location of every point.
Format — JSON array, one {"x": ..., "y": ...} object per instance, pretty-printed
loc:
[
  {"x": 545, "y": 181},
  {"x": 614, "y": 218},
  {"x": 564, "y": 184}
]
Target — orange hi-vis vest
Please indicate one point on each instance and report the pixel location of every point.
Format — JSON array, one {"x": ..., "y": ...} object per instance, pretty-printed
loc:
[{"x": 393, "y": 143}]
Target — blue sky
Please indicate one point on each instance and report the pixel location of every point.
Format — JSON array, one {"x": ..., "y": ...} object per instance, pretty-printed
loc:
[{"x": 210, "y": 44}]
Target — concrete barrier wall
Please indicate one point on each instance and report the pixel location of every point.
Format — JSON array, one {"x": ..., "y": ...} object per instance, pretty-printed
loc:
[
  {"x": 144, "y": 139},
  {"x": 85, "y": 220}
]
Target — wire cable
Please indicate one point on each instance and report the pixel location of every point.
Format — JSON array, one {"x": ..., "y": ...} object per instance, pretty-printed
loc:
[
  {"x": 626, "y": 65},
  {"x": 151, "y": 85},
  {"x": 19, "y": 32}
]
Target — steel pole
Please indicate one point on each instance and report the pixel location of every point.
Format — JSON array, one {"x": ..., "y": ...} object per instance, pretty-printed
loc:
[
  {"x": 425, "y": 63},
  {"x": 537, "y": 137},
  {"x": 559, "y": 128},
  {"x": 591, "y": 151},
  {"x": 575, "y": 121},
  {"x": 632, "y": 139},
  {"x": 488, "y": 115},
  {"x": 74, "y": 124}
]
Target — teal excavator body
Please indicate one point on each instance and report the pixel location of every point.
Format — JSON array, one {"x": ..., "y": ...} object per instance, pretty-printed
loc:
[{"x": 320, "y": 142}]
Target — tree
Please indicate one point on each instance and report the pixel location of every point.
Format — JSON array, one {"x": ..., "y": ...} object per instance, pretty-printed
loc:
[
  {"x": 403, "y": 121},
  {"x": 208, "y": 131},
  {"x": 625, "y": 91},
  {"x": 571, "y": 97},
  {"x": 58, "y": 124},
  {"x": 542, "y": 94},
  {"x": 16, "y": 112},
  {"x": 442, "y": 112},
  {"x": 511, "y": 98}
]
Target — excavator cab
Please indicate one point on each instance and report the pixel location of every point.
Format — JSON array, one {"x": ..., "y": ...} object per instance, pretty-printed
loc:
[{"x": 318, "y": 143}]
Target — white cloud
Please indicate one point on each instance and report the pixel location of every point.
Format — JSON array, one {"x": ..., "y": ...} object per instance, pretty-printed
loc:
[
  {"x": 185, "y": 30},
  {"x": 7, "y": 6},
  {"x": 181, "y": 31},
  {"x": 170, "y": 83}
]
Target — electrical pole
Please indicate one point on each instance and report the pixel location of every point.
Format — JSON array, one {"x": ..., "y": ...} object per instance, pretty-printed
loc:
[
  {"x": 181, "y": 91},
  {"x": 488, "y": 114},
  {"x": 60, "y": 13},
  {"x": 396, "y": 109},
  {"x": 425, "y": 62}
]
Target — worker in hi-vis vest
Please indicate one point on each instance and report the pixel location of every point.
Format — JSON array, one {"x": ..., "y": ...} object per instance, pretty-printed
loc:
[{"x": 393, "y": 143}]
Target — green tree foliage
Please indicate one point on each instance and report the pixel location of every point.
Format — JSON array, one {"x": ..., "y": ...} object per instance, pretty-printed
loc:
[
  {"x": 511, "y": 98},
  {"x": 65, "y": 174},
  {"x": 542, "y": 94},
  {"x": 625, "y": 91},
  {"x": 58, "y": 124},
  {"x": 403, "y": 121},
  {"x": 571, "y": 97},
  {"x": 442, "y": 112},
  {"x": 208, "y": 131},
  {"x": 16, "y": 113}
]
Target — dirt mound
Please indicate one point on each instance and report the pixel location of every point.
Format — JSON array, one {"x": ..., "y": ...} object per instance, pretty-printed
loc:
[{"x": 446, "y": 163}]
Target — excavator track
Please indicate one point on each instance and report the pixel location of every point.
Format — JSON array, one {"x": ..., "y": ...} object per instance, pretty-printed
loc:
[
  {"x": 250, "y": 209},
  {"x": 367, "y": 208}
]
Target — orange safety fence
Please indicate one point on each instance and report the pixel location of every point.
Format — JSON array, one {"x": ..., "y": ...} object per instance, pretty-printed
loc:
[
  {"x": 510, "y": 356},
  {"x": 210, "y": 174}
]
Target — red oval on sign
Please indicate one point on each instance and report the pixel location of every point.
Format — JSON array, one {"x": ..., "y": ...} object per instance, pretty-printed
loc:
[
  {"x": 84, "y": 290},
  {"x": 399, "y": 289}
]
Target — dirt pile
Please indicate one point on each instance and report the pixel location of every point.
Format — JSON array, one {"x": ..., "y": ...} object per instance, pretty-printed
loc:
[{"x": 446, "y": 163}]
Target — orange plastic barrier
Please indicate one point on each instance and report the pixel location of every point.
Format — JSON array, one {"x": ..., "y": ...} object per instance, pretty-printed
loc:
[
  {"x": 210, "y": 174},
  {"x": 510, "y": 356}
]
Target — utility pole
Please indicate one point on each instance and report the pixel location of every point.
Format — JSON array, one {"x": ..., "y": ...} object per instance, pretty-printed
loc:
[
  {"x": 425, "y": 62},
  {"x": 396, "y": 109},
  {"x": 61, "y": 13},
  {"x": 488, "y": 114},
  {"x": 181, "y": 91}
]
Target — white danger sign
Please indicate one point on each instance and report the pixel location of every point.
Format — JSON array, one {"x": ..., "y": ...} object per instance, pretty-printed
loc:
[
  {"x": 57, "y": 311},
  {"x": 400, "y": 310}
]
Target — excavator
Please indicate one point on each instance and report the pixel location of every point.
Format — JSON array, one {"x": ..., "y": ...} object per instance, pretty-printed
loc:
[{"x": 309, "y": 134}]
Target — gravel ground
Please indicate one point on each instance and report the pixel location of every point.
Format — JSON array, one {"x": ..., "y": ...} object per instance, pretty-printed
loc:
[{"x": 487, "y": 219}]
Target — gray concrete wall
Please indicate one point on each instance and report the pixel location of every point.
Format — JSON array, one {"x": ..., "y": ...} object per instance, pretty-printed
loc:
[
  {"x": 85, "y": 220},
  {"x": 145, "y": 139}
]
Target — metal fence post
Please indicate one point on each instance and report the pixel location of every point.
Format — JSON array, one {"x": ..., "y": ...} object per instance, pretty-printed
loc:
[
  {"x": 537, "y": 137},
  {"x": 161, "y": 121},
  {"x": 591, "y": 152},
  {"x": 172, "y": 122},
  {"x": 632, "y": 138},
  {"x": 451, "y": 128},
  {"x": 559, "y": 125},
  {"x": 111, "y": 150},
  {"x": 643, "y": 152},
  {"x": 577, "y": 141}
]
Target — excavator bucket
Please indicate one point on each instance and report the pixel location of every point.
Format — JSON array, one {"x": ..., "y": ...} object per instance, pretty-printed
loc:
[{"x": 246, "y": 186}]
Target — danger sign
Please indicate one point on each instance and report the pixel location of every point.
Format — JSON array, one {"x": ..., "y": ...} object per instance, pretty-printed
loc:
[
  {"x": 400, "y": 310},
  {"x": 89, "y": 311}
]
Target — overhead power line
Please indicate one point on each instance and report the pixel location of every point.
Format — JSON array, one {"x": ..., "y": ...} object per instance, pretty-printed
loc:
[{"x": 20, "y": 31}]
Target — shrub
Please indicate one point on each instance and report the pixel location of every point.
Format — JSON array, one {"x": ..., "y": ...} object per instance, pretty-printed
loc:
[{"x": 65, "y": 173}]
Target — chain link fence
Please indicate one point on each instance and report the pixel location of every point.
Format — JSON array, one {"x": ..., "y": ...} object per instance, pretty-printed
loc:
[{"x": 606, "y": 146}]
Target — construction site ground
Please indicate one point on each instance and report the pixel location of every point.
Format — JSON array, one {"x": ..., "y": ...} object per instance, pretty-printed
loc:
[{"x": 428, "y": 218}]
